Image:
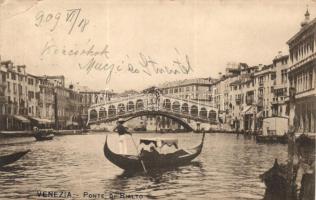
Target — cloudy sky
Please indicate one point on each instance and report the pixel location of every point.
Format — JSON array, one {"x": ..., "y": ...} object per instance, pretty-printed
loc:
[{"x": 136, "y": 44}]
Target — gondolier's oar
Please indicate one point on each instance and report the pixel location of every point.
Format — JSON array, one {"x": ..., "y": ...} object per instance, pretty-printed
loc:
[{"x": 141, "y": 161}]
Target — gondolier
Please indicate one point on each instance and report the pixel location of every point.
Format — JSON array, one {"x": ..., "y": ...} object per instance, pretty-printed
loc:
[{"x": 122, "y": 131}]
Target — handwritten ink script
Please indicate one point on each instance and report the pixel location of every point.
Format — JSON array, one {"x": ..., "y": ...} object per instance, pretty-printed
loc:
[
  {"x": 98, "y": 59},
  {"x": 144, "y": 65},
  {"x": 70, "y": 17}
]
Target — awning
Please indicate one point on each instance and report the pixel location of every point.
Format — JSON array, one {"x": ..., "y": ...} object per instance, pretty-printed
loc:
[
  {"x": 69, "y": 123},
  {"x": 247, "y": 110},
  {"x": 42, "y": 121},
  {"x": 259, "y": 114},
  {"x": 21, "y": 118},
  {"x": 160, "y": 142}
]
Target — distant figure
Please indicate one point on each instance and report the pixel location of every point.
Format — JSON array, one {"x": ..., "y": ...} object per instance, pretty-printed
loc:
[
  {"x": 35, "y": 129},
  {"x": 121, "y": 130}
]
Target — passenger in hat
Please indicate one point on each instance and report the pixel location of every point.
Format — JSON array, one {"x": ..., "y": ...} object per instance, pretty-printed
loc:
[{"x": 122, "y": 131}]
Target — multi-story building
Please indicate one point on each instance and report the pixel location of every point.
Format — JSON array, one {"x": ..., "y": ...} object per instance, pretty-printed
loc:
[
  {"x": 56, "y": 80},
  {"x": 3, "y": 98},
  {"x": 302, "y": 74},
  {"x": 66, "y": 111},
  {"x": 15, "y": 92},
  {"x": 90, "y": 97},
  {"x": 33, "y": 95},
  {"x": 281, "y": 91},
  {"x": 46, "y": 99},
  {"x": 200, "y": 89},
  {"x": 265, "y": 80}
]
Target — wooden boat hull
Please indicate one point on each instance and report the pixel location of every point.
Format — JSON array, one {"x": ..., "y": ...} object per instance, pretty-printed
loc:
[
  {"x": 271, "y": 139},
  {"x": 133, "y": 162},
  {"x": 43, "y": 138},
  {"x": 11, "y": 158}
]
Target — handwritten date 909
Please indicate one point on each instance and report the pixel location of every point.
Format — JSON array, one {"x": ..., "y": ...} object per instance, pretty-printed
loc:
[{"x": 71, "y": 17}]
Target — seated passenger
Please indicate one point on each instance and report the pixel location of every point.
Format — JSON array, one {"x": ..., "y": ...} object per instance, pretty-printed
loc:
[{"x": 151, "y": 155}]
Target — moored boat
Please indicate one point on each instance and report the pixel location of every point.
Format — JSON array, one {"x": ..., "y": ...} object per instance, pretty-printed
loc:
[
  {"x": 271, "y": 139},
  {"x": 11, "y": 158},
  {"x": 44, "y": 134},
  {"x": 157, "y": 161}
]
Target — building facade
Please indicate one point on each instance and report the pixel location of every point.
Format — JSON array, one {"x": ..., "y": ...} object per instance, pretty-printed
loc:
[
  {"x": 302, "y": 74},
  {"x": 193, "y": 89},
  {"x": 281, "y": 88}
]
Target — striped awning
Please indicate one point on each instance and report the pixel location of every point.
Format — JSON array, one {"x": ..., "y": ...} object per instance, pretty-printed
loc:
[
  {"x": 21, "y": 118},
  {"x": 247, "y": 110},
  {"x": 42, "y": 121}
]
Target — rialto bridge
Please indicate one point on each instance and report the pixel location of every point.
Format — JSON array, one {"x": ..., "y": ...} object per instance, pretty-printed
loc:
[{"x": 185, "y": 112}]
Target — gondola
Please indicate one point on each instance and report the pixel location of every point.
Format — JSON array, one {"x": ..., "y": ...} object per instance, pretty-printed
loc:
[
  {"x": 11, "y": 158},
  {"x": 170, "y": 160}
]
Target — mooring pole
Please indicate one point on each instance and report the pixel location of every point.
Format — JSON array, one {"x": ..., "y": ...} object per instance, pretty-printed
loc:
[
  {"x": 56, "y": 108},
  {"x": 291, "y": 143}
]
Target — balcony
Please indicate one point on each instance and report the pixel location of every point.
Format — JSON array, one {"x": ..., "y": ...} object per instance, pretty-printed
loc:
[
  {"x": 278, "y": 100},
  {"x": 261, "y": 84},
  {"x": 3, "y": 99},
  {"x": 260, "y": 103}
]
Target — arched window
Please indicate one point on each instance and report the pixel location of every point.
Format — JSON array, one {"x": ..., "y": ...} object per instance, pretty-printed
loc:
[
  {"x": 212, "y": 116},
  {"x": 203, "y": 113},
  {"x": 166, "y": 104},
  {"x": 130, "y": 106},
  {"x": 176, "y": 106},
  {"x": 120, "y": 109},
  {"x": 194, "y": 110},
  {"x": 112, "y": 111},
  {"x": 102, "y": 113},
  {"x": 139, "y": 105},
  {"x": 93, "y": 114},
  {"x": 185, "y": 108}
]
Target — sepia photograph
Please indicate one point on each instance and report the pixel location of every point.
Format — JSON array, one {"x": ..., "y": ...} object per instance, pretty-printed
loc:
[{"x": 157, "y": 99}]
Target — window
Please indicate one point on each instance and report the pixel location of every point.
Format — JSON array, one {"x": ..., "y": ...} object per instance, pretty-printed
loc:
[
  {"x": 273, "y": 76},
  {"x": 30, "y": 81},
  {"x": 9, "y": 89},
  {"x": 14, "y": 88},
  {"x": 284, "y": 76},
  {"x": 310, "y": 85},
  {"x": 31, "y": 95},
  {"x": 13, "y": 77},
  {"x": 4, "y": 77}
]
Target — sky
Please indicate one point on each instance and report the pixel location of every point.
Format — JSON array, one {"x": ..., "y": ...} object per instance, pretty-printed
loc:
[{"x": 137, "y": 44}]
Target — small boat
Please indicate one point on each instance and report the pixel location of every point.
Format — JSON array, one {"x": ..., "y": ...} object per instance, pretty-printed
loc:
[
  {"x": 11, "y": 158},
  {"x": 282, "y": 139},
  {"x": 44, "y": 134},
  {"x": 134, "y": 162}
]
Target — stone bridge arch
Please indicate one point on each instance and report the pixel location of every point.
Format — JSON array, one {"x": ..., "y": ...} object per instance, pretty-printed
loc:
[{"x": 163, "y": 105}]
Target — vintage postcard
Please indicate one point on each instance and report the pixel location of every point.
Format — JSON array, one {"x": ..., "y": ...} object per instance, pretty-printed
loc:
[{"x": 157, "y": 99}]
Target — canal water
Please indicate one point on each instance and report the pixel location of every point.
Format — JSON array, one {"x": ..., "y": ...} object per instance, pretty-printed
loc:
[{"x": 228, "y": 168}]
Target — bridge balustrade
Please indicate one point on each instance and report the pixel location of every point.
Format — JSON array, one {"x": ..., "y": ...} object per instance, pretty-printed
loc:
[{"x": 142, "y": 104}]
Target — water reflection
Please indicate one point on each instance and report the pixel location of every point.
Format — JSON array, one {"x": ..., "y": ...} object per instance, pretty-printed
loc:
[{"x": 227, "y": 168}]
